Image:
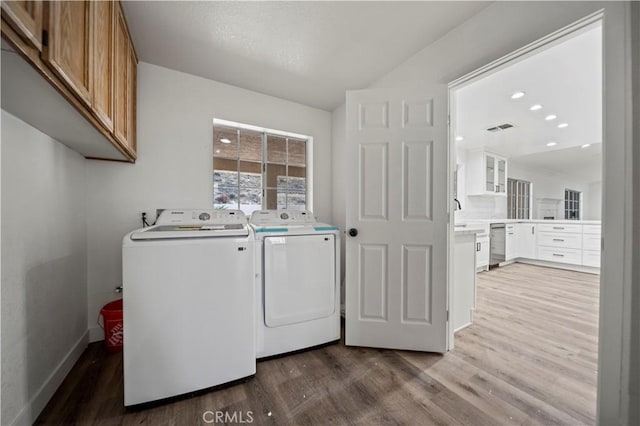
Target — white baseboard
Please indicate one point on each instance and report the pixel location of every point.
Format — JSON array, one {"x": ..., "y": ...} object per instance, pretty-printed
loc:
[
  {"x": 34, "y": 407},
  {"x": 96, "y": 333},
  {"x": 558, "y": 265}
]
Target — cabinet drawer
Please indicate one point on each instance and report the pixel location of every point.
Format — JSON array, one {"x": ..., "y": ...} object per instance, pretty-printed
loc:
[
  {"x": 591, "y": 258},
  {"x": 555, "y": 239},
  {"x": 563, "y": 255},
  {"x": 591, "y": 229},
  {"x": 591, "y": 242},
  {"x": 559, "y": 227}
]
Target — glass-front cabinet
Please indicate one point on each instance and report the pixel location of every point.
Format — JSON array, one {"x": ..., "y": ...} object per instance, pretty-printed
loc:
[{"x": 486, "y": 173}]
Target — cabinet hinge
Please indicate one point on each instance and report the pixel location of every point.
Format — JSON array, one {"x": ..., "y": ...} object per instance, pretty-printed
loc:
[
  {"x": 45, "y": 38},
  {"x": 447, "y": 315}
]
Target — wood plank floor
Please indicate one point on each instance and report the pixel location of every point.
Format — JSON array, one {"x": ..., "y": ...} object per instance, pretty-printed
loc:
[{"x": 529, "y": 359}]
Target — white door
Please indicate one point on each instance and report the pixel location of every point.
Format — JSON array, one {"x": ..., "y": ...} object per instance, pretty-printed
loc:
[{"x": 397, "y": 201}]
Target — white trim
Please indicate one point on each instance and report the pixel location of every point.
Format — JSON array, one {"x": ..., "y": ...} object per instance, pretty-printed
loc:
[
  {"x": 578, "y": 27},
  {"x": 558, "y": 265},
  {"x": 220, "y": 122},
  {"x": 34, "y": 407}
]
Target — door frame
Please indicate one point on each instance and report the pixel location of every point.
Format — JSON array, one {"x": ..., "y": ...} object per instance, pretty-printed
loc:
[{"x": 617, "y": 199}]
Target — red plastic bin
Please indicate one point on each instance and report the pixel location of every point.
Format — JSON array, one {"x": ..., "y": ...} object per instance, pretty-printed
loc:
[{"x": 113, "y": 325}]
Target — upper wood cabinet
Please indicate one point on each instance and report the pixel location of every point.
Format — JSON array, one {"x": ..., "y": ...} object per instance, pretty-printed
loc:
[
  {"x": 103, "y": 63},
  {"x": 125, "y": 76},
  {"x": 67, "y": 48},
  {"x": 84, "y": 51},
  {"x": 25, "y": 17}
]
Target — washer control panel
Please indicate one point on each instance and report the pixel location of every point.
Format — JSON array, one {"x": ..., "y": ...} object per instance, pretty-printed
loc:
[{"x": 201, "y": 217}]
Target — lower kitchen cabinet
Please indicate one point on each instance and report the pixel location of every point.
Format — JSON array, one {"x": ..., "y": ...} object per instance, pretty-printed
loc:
[
  {"x": 510, "y": 243},
  {"x": 526, "y": 240},
  {"x": 482, "y": 252},
  {"x": 563, "y": 255}
]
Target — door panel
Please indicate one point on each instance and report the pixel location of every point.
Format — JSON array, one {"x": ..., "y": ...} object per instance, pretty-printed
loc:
[
  {"x": 416, "y": 271},
  {"x": 373, "y": 177},
  {"x": 396, "y": 279},
  {"x": 373, "y": 283},
  {"x": 417, "y": 166}
]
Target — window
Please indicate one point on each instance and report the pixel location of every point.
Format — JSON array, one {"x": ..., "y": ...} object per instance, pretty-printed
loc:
[
  {"x": 257, "y": 168},
  {"x": 518, "y": 199},
  {"x": 572, "y": 204}
]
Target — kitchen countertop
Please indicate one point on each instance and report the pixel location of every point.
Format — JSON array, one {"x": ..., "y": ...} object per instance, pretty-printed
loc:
[{"x": 469, "y": 229}]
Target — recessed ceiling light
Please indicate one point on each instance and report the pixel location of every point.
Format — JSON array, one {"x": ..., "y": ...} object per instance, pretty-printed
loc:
[
  {"x": 517, "y": 95},
  {"x": 459, "y": 138},
  {"x": 551, "y": 117},
  {"x": 586, "y": 145},
  {"x": 552, "y": 143},
  {"x": 225, "y": 140},
  {"x": 535, "y": 107},
  {"x": 562, "y": 125}
]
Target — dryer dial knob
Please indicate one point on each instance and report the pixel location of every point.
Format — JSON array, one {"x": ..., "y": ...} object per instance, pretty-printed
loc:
[
  {"x": 284, "y": 216},
  {"x": 204, "y": 216}
]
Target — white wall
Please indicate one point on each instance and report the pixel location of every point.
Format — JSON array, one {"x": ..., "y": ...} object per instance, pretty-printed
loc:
[
  {"x": 44, "y": 269},
  {"x": 174, "y": 170},
  {"x": 593, "y": 205},
  {"x": 549, "y": 184},
  {"x": 502, "y": 28}
]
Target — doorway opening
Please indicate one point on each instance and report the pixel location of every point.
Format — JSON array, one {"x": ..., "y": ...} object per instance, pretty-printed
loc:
[{"x": 525, "y": 146}]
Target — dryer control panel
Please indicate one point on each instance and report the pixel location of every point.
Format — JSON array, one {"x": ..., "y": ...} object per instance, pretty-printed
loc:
[{"x": 281, "y": 217}]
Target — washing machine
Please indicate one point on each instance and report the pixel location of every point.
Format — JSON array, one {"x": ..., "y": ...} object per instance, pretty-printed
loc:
[
  {"x": 298, "y": 281},
  {"x": 189, "y": 310}
]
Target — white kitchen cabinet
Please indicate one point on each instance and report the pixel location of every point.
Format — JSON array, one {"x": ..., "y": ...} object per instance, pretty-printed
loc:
[
  {"x": 482, "y": 252},
  {"x": 591, "y": 241},
  {"x": 510, "y": 243},
  {"x": 486, "y": 173},
  {"x": 464, "y": 281},
  {"x": 563, "y": 255},
  {"x": 526, "y": 240},
  {"x": 560, "y": 243}
]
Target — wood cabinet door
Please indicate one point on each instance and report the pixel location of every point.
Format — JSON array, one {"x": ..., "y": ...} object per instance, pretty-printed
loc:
[
  {"x": 132, "y": 88},
  {"x": 122, "y": 127},
  {"x": 67, "y": 50},
  {"x": 125, "y": 88},
  {"x": 102, "y": 84},
  {"x": 25, "y": 17}
]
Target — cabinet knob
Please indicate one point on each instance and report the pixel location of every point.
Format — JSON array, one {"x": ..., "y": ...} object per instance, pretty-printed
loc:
[{"x": 353, "y": 232}]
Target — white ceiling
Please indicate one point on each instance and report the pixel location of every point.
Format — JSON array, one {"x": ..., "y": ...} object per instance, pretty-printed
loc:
[
  {"x": 566, "y": 79},
  {"x": 307, "y": 52},
  {"x": 581, "y": 164}
]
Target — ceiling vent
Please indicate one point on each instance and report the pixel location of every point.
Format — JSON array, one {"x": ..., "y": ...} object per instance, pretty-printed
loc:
[{"x": 500, "y": 127}]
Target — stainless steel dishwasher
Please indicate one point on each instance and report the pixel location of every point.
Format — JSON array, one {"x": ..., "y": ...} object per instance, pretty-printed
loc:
[{"x": 497, "y": 244}]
